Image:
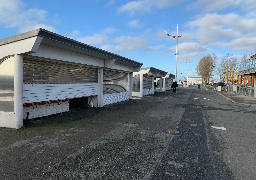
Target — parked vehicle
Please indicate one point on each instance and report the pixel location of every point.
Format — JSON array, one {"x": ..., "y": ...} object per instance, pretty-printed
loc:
[
  {"x": 218, "y": 84},
  {"x": 221, "y": 84}
]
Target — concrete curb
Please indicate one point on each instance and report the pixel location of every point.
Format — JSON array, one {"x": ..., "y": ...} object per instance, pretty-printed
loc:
[{"x": 233, "y": 100}]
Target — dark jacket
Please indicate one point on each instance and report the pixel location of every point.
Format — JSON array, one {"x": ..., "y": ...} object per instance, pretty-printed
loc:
[{"x": 174, "y": 85}]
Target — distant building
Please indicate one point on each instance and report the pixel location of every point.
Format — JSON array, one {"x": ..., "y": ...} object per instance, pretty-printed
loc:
[
  {"x": 196, "y": 80},
  {"x": 246, "y": 72}
]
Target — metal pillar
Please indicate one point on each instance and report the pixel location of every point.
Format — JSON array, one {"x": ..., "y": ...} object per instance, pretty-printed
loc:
[
  {"x": 100, "y": 89},
  {"x": 141, "y": 85},
  {"x": 176, "y": 52},
  {"x": 164, "y": 79},
  {"x": 161, "y": 84},
  {"x": 153, "y": 86},
  {"x": 130, "y": 84},
  {"x": 18, "y": 90}
]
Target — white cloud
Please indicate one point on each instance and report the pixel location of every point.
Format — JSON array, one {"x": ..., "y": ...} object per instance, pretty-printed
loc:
[
  {"x": 212, "y": 28},
  {"x": 126, "y": 43},
  {"x": 244, "y": 44},
  {"x": 93, "y": 40},
  {"x": 73, "y": 34},
  {"x": 13, "y": 16},
  {"x": 161, "y": 35},
  {"x": 37, "y": 26},
  {"x": 130, "y": 43},
  {"x": 192, "y": 56},
  {"x": 110, "y": 30},
  {"x": 155, "y": 48},
  {"x": 133, "y": 6},
  {"x": 212, "y": 6},
  {"x": 143, "y": 6},
  {"x": 215, "y": 19},
  {"x": 248, "y": 4},
  {"x": 110, "y": 3},
  {"x": 135, "y": 24},
  {"x": 219, "y": 5},
  {"x": 188, "y": 47},
  {"x": 10, "y": 5}
]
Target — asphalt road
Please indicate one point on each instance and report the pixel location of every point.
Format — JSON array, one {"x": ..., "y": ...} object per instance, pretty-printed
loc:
[
  {"x": 234, "y": 148},
  {"x": 191, "y": 134}
]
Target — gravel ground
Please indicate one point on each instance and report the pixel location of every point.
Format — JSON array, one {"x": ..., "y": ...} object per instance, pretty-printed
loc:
[
  {"x": 124, "y": 153},
  {"x": 28, "y": 152},
  {"x": 192, "y": 134}
]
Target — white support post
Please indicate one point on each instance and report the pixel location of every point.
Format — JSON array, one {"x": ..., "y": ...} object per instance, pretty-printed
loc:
[
  {"x": 130, "y": 84},
  {"x": 141, "y": 85},
  {"x": 164, "y": 84},
  {"x": 153, "y": 86},
  {"x": 18, "y": 90},
  {"x": 100, "y": 89},
  {"x": 161, "y": 84}
]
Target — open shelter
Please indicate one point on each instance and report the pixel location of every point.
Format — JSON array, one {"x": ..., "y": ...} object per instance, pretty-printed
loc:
[
  {"x": 43, "y": 73},
  {"x": 144, "y": 81}
]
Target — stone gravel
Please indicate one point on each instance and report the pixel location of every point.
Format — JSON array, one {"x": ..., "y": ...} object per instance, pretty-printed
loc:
[
  {"x": 46, "y": 142},
  {"x": 192, "y": 134}
]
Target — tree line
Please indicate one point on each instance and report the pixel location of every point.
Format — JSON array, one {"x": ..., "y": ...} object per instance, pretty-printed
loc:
[{"x": 226, "y": 68}]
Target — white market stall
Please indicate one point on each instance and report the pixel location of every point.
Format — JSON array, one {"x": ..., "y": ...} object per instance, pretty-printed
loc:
[
  {"x": 143, "y": 81},
  {"x": 43, "y": 73}
]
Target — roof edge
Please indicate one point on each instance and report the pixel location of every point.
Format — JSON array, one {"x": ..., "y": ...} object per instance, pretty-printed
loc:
[{"x": 65, "y": 40}]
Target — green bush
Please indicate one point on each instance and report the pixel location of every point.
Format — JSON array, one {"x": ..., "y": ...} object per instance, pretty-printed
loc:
[{"x": 208, "y": 87}]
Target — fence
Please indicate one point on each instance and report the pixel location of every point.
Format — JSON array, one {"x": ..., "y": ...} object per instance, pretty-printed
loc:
[
  {"x": 247, "y": 91},
  {"x": 243, "y": 90}
]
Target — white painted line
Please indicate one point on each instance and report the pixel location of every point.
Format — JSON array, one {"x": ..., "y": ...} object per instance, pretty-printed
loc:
[
  {"x": 221, "y": 128},
  {"x": 195, "y": 98}
]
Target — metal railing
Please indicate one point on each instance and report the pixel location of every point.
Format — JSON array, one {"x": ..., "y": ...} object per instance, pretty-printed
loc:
[
  {"x": 247, "y": 91},
  {"x": 243, "y": 90}
]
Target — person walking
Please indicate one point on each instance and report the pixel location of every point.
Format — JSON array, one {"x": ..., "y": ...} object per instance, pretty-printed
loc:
[{"x": 174, "y": 86}]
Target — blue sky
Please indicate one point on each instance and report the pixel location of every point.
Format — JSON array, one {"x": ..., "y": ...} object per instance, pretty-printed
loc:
[{"x": 135, "y": 29}]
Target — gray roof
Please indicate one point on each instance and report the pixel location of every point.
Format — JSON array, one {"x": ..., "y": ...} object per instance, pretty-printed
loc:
[
  {"x": 56, "y": 37},
  {"x": 154, "y": 69}
]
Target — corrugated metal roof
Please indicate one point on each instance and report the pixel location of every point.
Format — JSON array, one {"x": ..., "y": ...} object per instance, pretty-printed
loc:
[
  {"x": 154, "y": 69},
  {"x": 56, "y": 37}
]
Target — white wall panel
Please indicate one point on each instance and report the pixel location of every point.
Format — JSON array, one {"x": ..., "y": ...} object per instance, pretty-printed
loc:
[
  {"x": 147, "y": 82},
  {"x": 115, "y": 97},
  {"x": 114, "y": 81},
  {"x": 35, "y": 110},
  {"x": 147, "y": 91},
  {"x": 47, "y": 92}
]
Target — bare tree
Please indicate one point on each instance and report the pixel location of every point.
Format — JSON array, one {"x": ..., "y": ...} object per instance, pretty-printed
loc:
[
  {"x": 245, "y": 59},
  {"x": 205, "y": 67},
  {"x": 227, "y": 67}
]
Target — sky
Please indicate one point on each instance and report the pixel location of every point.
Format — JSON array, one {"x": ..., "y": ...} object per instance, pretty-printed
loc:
[{"x": 135, "y": 29}]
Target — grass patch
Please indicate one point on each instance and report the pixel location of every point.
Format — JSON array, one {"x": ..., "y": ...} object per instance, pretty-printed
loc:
[{"x": 208, "y": 87}]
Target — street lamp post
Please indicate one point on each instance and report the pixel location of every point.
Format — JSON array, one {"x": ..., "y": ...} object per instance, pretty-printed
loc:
[
  {"x": 187, "y": 72},
  {"x": 178, "y": 36}
]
